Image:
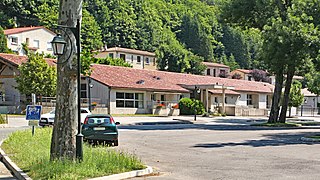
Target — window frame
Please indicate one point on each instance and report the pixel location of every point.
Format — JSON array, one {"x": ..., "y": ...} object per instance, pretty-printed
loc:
[{"x": 130, "y": 100}]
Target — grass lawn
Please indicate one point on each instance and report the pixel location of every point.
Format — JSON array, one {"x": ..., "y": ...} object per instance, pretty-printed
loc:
[
  {"x": 32, "y": 154},
  {"x": 277, "y": 124}
]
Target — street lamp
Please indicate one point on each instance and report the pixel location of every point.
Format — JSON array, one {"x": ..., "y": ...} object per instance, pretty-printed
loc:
[
  {"x": 89, "y": 92},
  {"x": 58, "y": 44}
]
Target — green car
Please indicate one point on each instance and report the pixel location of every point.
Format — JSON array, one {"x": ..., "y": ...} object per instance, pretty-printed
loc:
[{"x": 100, "y": 128}]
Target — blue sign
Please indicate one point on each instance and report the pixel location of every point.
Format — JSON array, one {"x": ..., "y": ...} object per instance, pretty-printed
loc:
[{"x": 33, "y": 112}]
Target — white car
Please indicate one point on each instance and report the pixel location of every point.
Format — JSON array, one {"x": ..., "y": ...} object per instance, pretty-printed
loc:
[{"x": 48, "y": 118}]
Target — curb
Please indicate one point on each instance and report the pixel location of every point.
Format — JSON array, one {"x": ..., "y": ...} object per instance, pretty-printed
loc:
[
  {"x": 126, "y": 175},
  {"x": 17, "y": 172}
]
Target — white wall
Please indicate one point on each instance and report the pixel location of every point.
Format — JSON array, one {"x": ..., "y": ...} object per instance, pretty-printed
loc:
[
  {"x": 242, "y": 101},
  {"x": 42, "y": 35},
  {"x": 262, "y": 101}
]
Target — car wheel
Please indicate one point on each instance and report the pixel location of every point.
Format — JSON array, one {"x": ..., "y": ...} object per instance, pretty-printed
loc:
[{"x": 116, "y": 142}]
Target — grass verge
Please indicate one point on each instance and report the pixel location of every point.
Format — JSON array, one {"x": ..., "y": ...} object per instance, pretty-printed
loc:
[
  {"x": 277, "y": 124},
  {"x": 2, "y": 119},
  {"x": 32, "y": 155}
]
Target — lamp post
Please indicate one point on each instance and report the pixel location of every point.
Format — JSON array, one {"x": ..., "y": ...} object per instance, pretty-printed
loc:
[
  {"x": 196, "y": 91},
  {"x": 89, "y": 92},
  {"x": 58, "y": 44}
]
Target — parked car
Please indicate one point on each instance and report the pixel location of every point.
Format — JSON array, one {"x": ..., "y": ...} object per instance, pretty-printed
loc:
[
  {"x": 100, "y": 128},
  {"x": 48, "y": 118}
]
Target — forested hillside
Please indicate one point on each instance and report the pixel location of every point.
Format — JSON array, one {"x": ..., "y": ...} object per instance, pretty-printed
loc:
[{"x": 182, "y": 32}]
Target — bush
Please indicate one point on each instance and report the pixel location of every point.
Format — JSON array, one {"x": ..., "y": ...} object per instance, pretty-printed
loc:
[
  {"x": 187, "y": 106},
  {"x": 2, "y": 120}
]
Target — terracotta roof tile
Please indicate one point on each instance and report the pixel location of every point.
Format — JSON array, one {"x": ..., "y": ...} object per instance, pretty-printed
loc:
[
  {"x": 17, "y": 60},
  {"x": 23, "y": 29},
  {"x": 121, "y": 77},
  {"x": 210, "y": 64},
  {"x": 246, "y": 71},
  {"x": 131, "y": 51}
]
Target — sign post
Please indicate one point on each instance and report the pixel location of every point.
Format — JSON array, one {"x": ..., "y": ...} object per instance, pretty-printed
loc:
[{"x": 33, "y": 115}]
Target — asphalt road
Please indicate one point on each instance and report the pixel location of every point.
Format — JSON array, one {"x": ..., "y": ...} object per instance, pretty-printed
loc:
[{"x": 216, "y": 151}]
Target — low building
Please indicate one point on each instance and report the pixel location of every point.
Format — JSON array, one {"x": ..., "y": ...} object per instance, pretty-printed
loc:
[
  {"x": 37, "y": 39},
  {"x": 11, "y": 99},
  {"x": 137, "y": 58},
  {"x": 121, "y": 90},
  {"x": 216, "y": 69}
]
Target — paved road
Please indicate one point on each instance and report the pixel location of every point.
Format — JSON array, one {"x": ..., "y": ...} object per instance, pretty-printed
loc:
[
  {"x": 14, "y": 125},
  {"x": 218, "y": 151}
]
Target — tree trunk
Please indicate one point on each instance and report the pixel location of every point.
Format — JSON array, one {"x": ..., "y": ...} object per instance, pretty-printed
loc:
[
  {"x": 63, "y": 144},
  {"x": 286, "y": 95},
  {"x": 274, "y": 113}
]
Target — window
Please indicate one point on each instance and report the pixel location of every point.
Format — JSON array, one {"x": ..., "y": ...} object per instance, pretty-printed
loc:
[
  {"x": 129, "y": 100},
  {"x": 147, "y": 61},
  {"x": 249, "y": 99},
  {"x": 36, "y": 44},
  {"x": 83, "y": 91},
  {"x": 216, "y": 99},
  {"x": 250, "y": 78},
  {"x": 138, "y": 59},
  {"x": 153, "y": 97},
  {"x": 14, "y": 40},
  {"x": 225, "y": 100},
  {"x": 131, "y": 58},
  {"x": 163, "y": 97},
  {"x": 208, "y": 72},
  {"x": 111, "y": 55},
  {"x": 27, "y": 41},
  {"x": 181, "y": 96},
  {"x": 49, "y": 46},
  {"x": 123, "y": 56},
  {"x": 214, "y": 72}
]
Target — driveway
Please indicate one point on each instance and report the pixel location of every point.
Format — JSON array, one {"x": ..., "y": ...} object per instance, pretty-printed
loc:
[{"x": 218, "y": 151}]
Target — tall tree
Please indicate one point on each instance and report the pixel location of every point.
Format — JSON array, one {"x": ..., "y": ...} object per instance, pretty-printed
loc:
[
  {"x": 63, "y": 144},
  {"x": 3, "y": 42}
]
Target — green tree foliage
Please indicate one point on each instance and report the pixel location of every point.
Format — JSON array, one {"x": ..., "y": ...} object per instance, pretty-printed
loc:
[
  {"x": 187, "y": 105},
  {"x": 90, "y": 32},
  {"x": 112, "y": 62},
  {"x": 296, "y": 96},
  {"x": 314, "y": 83},
  {"x": 3, "y": 42},
  {"x": 36, "y": 76}
]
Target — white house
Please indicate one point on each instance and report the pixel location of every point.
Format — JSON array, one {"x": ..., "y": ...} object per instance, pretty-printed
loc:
[
  {"x": 137, "y": 58},
  {"x": 37, "y": 39},
  {"x": 216, "y": 69}
]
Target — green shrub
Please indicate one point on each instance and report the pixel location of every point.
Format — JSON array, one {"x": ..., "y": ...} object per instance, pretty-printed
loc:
[
  {"x": 2, "y": 120},
  {"x": 187, "y": 106}
]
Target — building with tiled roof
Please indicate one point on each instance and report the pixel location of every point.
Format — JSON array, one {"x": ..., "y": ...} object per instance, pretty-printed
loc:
[
  {"x": 37, "y": 39},
  {"x": 9, "y": 64},
  {"x": 160, "y": 86},
  {"x": 216, "y": 69},
  {"x": 121, "y": 90},
  {"x": 137, "y": 58}
]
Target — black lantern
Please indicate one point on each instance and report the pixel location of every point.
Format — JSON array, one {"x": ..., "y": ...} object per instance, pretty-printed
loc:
[{"x": 58, "y": 44}]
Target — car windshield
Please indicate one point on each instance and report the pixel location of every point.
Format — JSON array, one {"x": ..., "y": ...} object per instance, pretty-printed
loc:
[
  {"x": 52, "y": 112},
  {"x": 99, "y": 120}
]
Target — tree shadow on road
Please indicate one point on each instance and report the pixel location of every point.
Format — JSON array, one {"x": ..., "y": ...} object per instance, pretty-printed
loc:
[
  {"x": 282, "y": 139},
  {"x": 217, "y": 127}
]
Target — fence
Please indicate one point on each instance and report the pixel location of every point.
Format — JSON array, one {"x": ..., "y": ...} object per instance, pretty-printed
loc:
[{"x": 306, "y": 110}]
